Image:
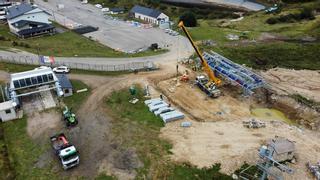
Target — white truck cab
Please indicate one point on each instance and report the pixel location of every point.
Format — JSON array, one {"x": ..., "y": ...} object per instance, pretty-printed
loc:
[{"x": 67, "y": 153}]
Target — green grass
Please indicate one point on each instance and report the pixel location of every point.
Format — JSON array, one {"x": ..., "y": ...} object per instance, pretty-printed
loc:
[
  {"x": 67, "y": 44},
  {"x": 105, "y": 177},
  {"x": 23, "y": 152},
  {"x": 188, "y": 172},
  {"x": 140, "y": 129},
  {"x": 257, "y": 23},
  {"x": 77, "y": 99},
  {"x": 278, "y": 54},
  {"x": 308, "y": 102},
  {"x": 6, "y": 171},
  {"x": 11, "y": 68},
  {"x": 209, "y": 29}
]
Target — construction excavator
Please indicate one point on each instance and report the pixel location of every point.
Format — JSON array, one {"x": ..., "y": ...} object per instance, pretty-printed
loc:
[{"x": 207, "y": 84}]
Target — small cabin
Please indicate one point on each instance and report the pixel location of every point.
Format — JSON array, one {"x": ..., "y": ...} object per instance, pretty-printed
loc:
[
  {"x": 65, "y": 84},
  {"x": 7, "y": 111}
]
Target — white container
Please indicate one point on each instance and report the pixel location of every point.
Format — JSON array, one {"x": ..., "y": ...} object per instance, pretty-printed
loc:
[
  {"x": 163, "y": 110},
  {"x": 153, "y": 108}
]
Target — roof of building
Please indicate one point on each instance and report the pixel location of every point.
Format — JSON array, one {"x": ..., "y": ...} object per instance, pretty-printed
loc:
[
  {"x": 64, "y": 81},
  {"x": 18, "y": 10},
  {"x": 4, "y": 2},
  {"x": 146, "y": 11},
  {"x": 22, "y": 23},
  {"x": 117, "y": 9},
  {"x": 6, "y": 105},
  {"x": 31, "y": 73},
  {"x": 282, "y": 145},
  {"x": 44, "y": 27}
]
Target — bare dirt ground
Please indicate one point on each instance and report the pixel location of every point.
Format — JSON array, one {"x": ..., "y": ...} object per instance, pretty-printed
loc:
[
  {"x": 197, "y": 103},
  {"x": 220, "y": 136},
  {"x": 230, "y": 144},
  {"x": 44, "y": 123},
  {"x": 288, "y": 82}
]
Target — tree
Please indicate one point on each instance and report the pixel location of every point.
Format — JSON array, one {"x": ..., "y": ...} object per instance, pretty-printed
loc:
[{"x": 189, "y": 19}]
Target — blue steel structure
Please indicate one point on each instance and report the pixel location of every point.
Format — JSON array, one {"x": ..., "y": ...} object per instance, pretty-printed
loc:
[{"x": 236, "y": 73}]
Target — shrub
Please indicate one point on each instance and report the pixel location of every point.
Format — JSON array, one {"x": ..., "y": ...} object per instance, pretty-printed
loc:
[
  {"x": 14, "y": 43},
  {"x": 272, "y": 20},
  {"x": 189, "y": 19},
  {"x": 307, "y": 13}
]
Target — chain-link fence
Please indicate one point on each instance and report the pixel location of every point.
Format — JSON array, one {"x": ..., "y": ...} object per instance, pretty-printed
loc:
[{"x": 83, "y": 66}]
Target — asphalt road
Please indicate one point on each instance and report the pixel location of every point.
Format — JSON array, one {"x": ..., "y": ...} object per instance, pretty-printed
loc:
[
  {"x": 116, "y": 34},
  {"x": 248, "y": 5}
]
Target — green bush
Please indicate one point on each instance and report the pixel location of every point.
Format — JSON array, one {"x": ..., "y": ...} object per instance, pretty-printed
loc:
[
  {"x": 14, "y": 43},
  {"x": 272, "y": 20},
  {"x": 189, "y": 19}
]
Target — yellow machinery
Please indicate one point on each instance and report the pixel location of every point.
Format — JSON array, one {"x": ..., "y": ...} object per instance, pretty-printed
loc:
[{"x": 204, "y": 63}]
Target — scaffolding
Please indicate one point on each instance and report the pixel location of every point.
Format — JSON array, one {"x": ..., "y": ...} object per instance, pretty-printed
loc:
[{"x": 235, "y": 73}]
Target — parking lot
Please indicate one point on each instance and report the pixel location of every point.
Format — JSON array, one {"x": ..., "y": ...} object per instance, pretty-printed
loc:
[{"x": 117, "y": 34}]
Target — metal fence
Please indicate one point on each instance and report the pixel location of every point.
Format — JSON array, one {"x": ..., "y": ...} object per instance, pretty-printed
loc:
[{"x": 83, "y": 66}]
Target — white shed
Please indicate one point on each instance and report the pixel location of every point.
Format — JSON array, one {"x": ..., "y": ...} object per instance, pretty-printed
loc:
[
  {"x": 149, "y": 15},
  {"x": 7, "y": 111}
]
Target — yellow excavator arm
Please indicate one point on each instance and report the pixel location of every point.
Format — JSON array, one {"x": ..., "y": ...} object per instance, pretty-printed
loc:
[{"x": 204, "y": 63}]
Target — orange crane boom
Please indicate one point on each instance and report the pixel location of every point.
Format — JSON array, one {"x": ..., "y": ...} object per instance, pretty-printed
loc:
[{"x": 204, "y": 63}]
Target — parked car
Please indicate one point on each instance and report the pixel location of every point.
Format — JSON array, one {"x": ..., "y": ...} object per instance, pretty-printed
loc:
[
  {"x": 105, "y": 9},
  {"x": 98, "y": 6},
  {"x": 61, "y": 69},
  {"x": 167, "y": 30}
]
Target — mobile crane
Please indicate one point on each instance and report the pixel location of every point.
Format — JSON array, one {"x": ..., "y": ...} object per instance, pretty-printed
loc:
[{"x": 209, "y": 86}]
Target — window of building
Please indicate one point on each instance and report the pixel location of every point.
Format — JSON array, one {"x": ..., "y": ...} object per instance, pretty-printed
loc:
[
  {"x": 16, "y": 84},
  {"x": 22, "y": 82},
  {"x": 50, "y": 76},
  {"x": 34, "y": 80},
  {"x": 28, "y": 81},
  {"x": 45, "y": 78},
  {"x": 39, "y": 78},
  {"x": 66, "y": 91},
  {"x": 8, "y": 111}
]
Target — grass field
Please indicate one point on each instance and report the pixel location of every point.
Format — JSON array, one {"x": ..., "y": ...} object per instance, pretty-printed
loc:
[
  {"x": 23, "y": 152},
  {"x": 66, "y": 44},
  {"x": 77, "y": 99},
  {"x": 267, "y": 54},
  {"x": 144, "y": 138},
  {"x": 276, "y": 54}
]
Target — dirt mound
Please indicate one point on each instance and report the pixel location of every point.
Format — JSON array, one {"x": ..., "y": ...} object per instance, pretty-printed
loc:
[{"x": 289, "y": 82}]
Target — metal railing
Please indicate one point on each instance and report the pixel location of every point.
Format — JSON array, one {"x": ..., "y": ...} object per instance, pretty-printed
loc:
[{"x": 30, "y": 60}]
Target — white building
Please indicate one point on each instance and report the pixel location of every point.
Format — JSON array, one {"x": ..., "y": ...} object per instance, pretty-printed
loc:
[
  {"x": 4, "y": 5},
  {"x": 149, "y": 15},
  {"x": 26, "y": 20},
  {"x": 7, "y": 111},
  {"x": 32, "y": 82}
]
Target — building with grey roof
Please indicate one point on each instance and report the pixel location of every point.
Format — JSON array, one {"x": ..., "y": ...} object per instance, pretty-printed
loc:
[
  {"x": 149, "y": 15},
  {"x": 26, "y": 20},
  {"x": 4, "y": 5},
  {"x": 65, "y": 84}
]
